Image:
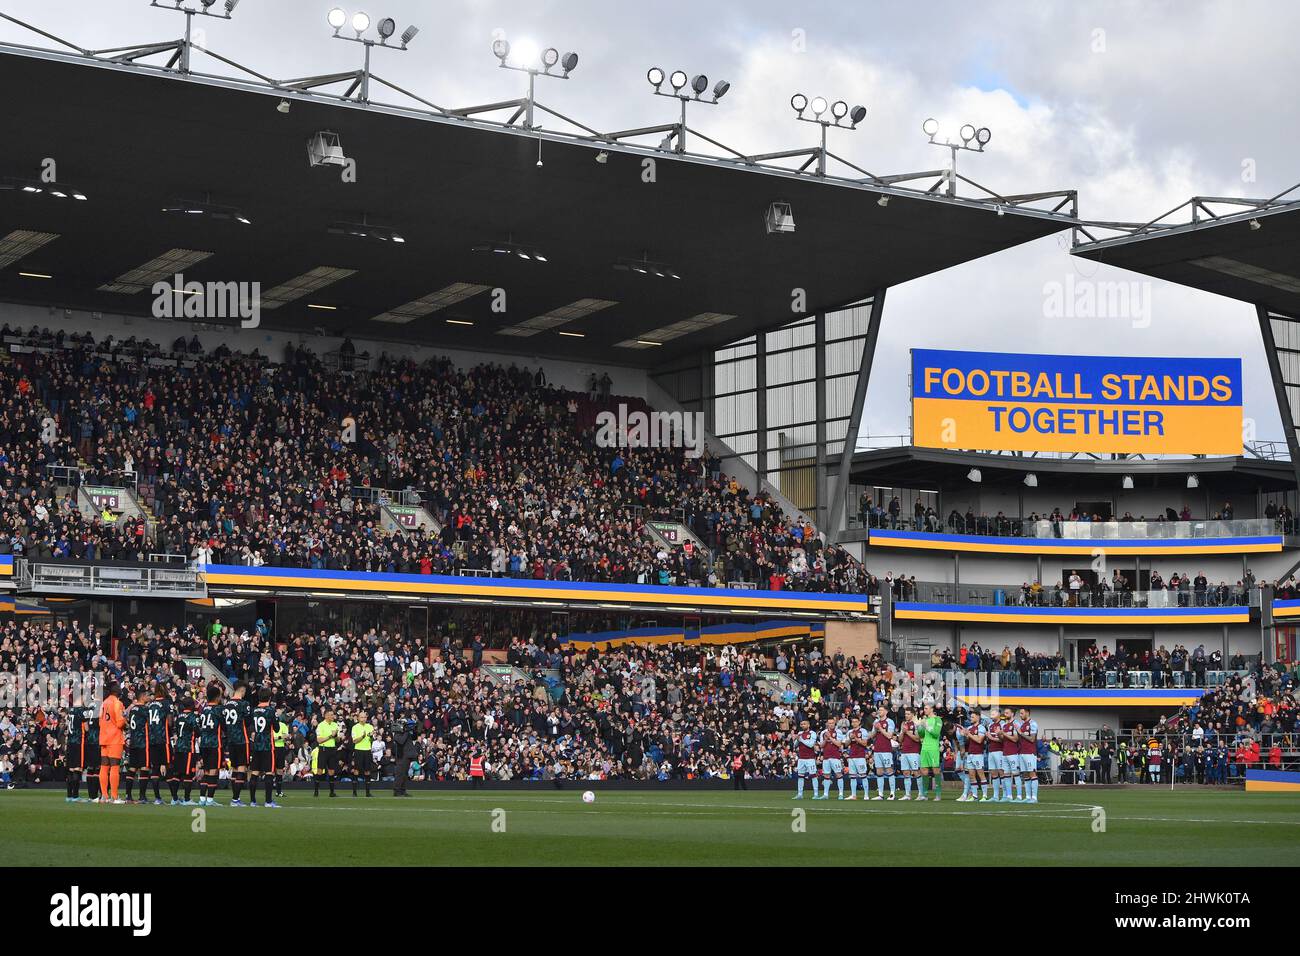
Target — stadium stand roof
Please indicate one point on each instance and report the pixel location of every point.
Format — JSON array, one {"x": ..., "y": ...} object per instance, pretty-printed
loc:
[
  {"x": 1244, "y": 249},
  {"x": 134, "y": 139}
]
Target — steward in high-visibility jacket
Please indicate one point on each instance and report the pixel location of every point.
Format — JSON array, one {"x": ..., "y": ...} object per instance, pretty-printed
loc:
[{"x": 476, "y": 770}]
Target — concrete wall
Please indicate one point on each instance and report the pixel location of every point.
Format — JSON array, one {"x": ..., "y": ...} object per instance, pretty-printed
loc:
[{"x": 858, "y": 639}]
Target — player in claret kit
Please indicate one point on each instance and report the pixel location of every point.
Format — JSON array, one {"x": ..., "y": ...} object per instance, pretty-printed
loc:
[
  {"x": 834, "y": 738},
  {"x": 805, "y": 742},
  {"x": 1027, "y": 731},
  {"x": 909, "y": 751},
  {"x": 882, "y": 754},
  {"x": 973, "y": 739},
  {"x": 859, "y": 748},
  {"x": 993, "y": 755},
  {"x": 1010, "y": 758}
]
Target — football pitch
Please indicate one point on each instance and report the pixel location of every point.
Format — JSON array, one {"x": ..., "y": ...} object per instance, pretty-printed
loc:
[{"x": 1078, "y": 826}]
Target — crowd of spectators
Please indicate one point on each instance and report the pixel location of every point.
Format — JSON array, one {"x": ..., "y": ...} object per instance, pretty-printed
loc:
[
  {"x": 245, "y": 461},
  {"x": 665, "y": 712}
]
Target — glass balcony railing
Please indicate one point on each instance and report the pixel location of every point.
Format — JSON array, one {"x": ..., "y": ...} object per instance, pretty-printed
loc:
[
  {"x": 1051, "y": 596},
  {"x": 1045, "y": 528}
]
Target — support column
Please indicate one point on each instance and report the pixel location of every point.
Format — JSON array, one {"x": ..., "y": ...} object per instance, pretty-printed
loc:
[
  {"x": 821, "y": 473},
  {"x": 1279, "y": 389},
  {"x": 760, "y": 403},
  {"x": 836, "y": 519}
]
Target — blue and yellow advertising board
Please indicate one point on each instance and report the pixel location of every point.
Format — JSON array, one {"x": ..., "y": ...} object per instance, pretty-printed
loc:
[{"x": 1076, "y": 403}]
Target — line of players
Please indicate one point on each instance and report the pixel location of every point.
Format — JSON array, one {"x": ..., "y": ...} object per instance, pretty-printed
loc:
[
  {"x": 997, "y": 756},
  {"x": 167, "y": 739}
]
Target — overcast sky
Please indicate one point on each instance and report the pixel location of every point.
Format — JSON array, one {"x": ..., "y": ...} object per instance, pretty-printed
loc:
[{"x": 1137, "y": 105}]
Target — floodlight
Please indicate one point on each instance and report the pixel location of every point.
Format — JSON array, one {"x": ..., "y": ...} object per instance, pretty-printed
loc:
[
  {"x": 882, "y": 201},
  {"x": 930, "y": 127},
  {"x": 207, "y": 3},
  {"x": 839, "y": 109},
  {"x": 337, "y": 17},
  {"x": 1127, "y": 483},
  {"x": 983, "y": 135},
  {"x": 975, "y": 475},
  {"x": 360, "y": 22},
  {"x": 409, "y": 34},
  {"x": 526, "y": 54},
  {"x": 1254, "y": 224},
  {"x": 720, "y": 89},
  {"x": 967, "y": 132},
  {"x": 569, "y": 63},
  {"x": 655, "y": 76},
  {"x": 818, "y": 105},
  {"x": 857, "y": 115},
  {"x": 678, "y": 79},
  {"x": 799, "y": 102},
  {"x": 700, "y": 84},
  {"x": 230, "y": 6},
  {"x": 501, "y": 49},
  {"x": 282, "y": 106},
  {"x": 550, "y": 57},
  {"x": 387, "y": 27},
  {"x": 1031, "y": 480},
  {"x": 1193, "y": 481}
]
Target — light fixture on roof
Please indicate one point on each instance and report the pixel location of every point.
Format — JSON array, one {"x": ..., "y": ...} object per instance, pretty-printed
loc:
[
  {"x": 525, "y": 56},
  {"x": 528, "y": 58},
  {"x": 207, "y": 208},
  {"x": 511, "y": 249},
  {"x": 1254, "y": 225},
  {"x": 779, "y": 218},
  {"x": 181, "y": 48},
  {"x": 1127, "y": 483},
  {"x": 1193, "y": 481},
  {"x": 685, "y": 89},
  {"x": 36, "y": 188},
  {"x": 882, "y": 201},
  {"x": 975, "y": 475},
  {"x": 646, "y": 267},
  {"x": 360, "y": 21},
  {"x": 282, "y": 106},
  {"x": 825, "y": 114},
  {"x": 973, "y": 139},
  {"x": 1031, "y": 480},
  {"x": 325, "y": 149},
  {"x": 366, "y": 230}
]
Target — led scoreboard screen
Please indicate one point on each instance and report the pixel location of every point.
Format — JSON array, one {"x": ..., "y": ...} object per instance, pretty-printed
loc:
[{"x": 995, "y": 401}]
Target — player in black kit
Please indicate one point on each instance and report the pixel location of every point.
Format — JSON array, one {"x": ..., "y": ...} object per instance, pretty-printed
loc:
[
  {"x": 263, "y": 755},
  {"x": 210, "y": 751},
  {"x": 235, "y": 714}
]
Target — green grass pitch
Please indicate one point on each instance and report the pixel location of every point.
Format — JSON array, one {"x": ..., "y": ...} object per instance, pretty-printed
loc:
[{"x": 1146, "y": 826}]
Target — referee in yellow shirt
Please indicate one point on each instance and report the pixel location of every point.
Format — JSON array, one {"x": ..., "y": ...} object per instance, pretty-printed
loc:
[
  {"x": 327, "y": 745},
  {"x": 363, "y": 733}
]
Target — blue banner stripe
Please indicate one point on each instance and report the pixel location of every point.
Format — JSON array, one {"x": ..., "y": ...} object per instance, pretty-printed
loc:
[
  {"x": 1079, "y": 377},
  {"x": 1228, "y": 610},
  {"x": 1081, "y": 543},
  {"x": 606, "y": 590}
]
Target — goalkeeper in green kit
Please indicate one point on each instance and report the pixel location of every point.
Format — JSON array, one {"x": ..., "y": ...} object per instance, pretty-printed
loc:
[{"x": 931, "y": 729}]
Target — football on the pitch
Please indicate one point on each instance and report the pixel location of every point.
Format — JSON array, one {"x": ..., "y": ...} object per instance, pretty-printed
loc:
[{"x": 588, "y": 797}]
